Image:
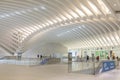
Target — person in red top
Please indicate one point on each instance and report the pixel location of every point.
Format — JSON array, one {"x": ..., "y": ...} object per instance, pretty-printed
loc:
[{"x": 97, "y": 58}]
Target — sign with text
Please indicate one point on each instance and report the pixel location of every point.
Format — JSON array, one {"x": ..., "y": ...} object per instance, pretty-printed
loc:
[{"x": 108, "y": 65}]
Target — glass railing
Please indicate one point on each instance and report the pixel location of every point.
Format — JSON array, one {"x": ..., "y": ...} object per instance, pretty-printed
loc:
[
  {"x": 87, "y": 67},
  {"x": 22, "y": 61},
  {"x": 28, "y": 61}
]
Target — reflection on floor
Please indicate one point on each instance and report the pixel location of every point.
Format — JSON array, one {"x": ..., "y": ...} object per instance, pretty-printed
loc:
[{"x": 50, "y": 72}]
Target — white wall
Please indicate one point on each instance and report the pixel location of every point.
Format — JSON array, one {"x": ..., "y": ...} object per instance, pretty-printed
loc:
[
  {"x": 4, "y": 53},
  {"x": 117, "y": 53},
  {"x": 47, "y": 50}
]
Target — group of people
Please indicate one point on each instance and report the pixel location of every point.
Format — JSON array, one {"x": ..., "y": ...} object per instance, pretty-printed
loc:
[
  {"x": 39, "y": 56},
  {"x": 87, "y": 58},
  {"x": 98, "y": 58},
  {"x": 113, "y": 57}
]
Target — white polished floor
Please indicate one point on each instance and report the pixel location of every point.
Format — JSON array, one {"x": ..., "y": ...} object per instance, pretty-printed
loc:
[{"x": 50, "y": 72}]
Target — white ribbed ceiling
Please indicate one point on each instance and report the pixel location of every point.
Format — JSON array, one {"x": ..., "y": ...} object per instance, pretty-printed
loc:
[{"x": 92, "y": 23}]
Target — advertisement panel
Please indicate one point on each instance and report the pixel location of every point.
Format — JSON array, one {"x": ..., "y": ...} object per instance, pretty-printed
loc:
[{"x": 108, "y": 65}]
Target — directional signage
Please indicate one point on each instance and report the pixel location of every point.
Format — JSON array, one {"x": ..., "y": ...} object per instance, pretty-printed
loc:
[{"x": 108, "y": 65}]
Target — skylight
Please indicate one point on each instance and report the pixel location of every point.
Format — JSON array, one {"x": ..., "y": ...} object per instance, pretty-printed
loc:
[
  {"x": 104, "y": 7},
  {"x": 94, "y": 8},
  {"x": 88, "y": 12}
]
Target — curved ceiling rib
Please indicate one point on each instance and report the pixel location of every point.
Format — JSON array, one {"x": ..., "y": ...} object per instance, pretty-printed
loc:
[{"x": 93, "y": 22}]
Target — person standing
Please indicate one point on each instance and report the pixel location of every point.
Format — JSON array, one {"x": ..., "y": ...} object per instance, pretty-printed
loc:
[
  {"x": 117, "y": 58},
  {"x": 87, "y": 58},
  {"x": 108, "y": 57},
  {"x": 41, "y": 56},
  {"x": 97, "y": 58},
  {"x": 38, "y": 56},
  {"x": 113, "y": 57}
]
